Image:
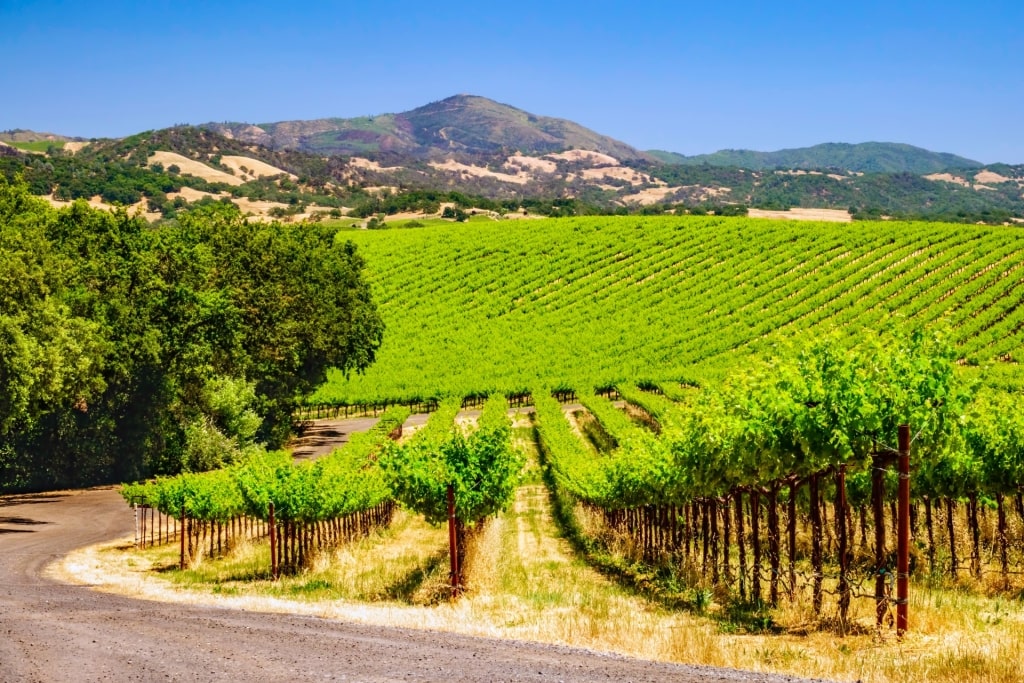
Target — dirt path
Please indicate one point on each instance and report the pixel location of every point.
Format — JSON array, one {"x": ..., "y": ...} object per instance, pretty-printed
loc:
[
  {"x": 51, "y": 631},
  {"x": 323, "y": 436}
]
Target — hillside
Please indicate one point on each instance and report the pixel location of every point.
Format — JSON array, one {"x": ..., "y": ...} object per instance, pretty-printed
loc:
[
  {"x": 22, "y": 135},
  {"x": 593, "y": 301},
  {"x": 465, "y": 124},
  {"x": 478, "y": 154},
  {"x": 866, "y": 157}
]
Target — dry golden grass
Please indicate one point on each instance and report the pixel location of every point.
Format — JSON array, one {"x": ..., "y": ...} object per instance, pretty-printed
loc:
[
  {"x": 453, "y": 166},
  {"x": 192, "y": 167},
  {"x": 254, "y": 168},
  {"x": 797, "y": 214}
]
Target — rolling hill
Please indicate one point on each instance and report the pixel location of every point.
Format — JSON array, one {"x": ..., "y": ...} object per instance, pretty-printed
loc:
[
  {"x": 485, "y": 155},
  {"x": 865, "y": 157}
]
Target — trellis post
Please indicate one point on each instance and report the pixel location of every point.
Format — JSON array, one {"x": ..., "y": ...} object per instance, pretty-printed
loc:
[{"x": 903, "y": 532}]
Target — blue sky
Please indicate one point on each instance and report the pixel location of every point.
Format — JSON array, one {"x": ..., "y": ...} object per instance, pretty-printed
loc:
[{"x": 685, "y": 77}]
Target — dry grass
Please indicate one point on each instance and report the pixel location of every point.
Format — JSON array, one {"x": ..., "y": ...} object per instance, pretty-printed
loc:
[
  {"x": 532, "y": 164},
  {"x": 527, "y": 583},
  {"x": 585, "y": 155},
  {"x": 453, "y": 166},
  {"x": 254, "y": 168},
  {"x": 192, "y": 167},
  {"x": 948, "y": 178},
  {"x": 796, "y": 214},
  {"x": 96, "y": 202},
  {"x": 651, "y": 195}
]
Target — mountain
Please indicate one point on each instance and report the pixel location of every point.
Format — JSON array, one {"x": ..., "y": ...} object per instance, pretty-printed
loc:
[
  {"x": 463, "y": 124},
  {"x": 866, "y": 157},
  {"x": 23, "y": 135},
  {"x": 491, "y": 157}
]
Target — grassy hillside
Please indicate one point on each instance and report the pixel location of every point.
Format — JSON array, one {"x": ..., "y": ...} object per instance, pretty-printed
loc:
[
  {"x": 135, "y": 171},
  {"x": 23, "y": 135},
  {"x": 865, "y": 157},
  {"x": 596, "y": 300}
]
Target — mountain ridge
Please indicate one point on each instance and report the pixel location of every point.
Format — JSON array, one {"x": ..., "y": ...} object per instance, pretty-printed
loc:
[
  {"x": 863, "y": 157},
  {"x": 460, "y": 124},
  {"x": 475, "y": 126},
  {"x": 506, "y": 158}
]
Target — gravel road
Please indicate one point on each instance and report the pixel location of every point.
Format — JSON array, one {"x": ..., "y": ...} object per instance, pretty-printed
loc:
[{"x": 51, "y": 631}]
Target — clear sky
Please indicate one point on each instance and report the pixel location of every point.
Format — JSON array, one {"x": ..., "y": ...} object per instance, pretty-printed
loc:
[{"x": 686, "y": 77}]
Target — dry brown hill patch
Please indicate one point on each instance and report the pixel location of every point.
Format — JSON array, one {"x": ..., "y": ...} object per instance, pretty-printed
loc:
[
  {"x": 651, "y": 195},
  {"x": 630, "y": 175},
  {"x": 193, "y": 168},
  {"x": 253, "y": 168},
  {"x": 833, "y": 215},
  {"x": 532, "y": 163},
  {"x": 948, "y": 178},
  {"x": 453, "y": 166},
  {"x": 991, "y": 177},
  {"x": 96, "y": 202},
  {"x": 595, "y": 158}
]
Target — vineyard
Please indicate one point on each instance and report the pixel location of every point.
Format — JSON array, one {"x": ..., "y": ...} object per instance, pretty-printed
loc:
[
  {"x": 309, "y": 508},
  {"x": 595, "y": 301},
  {"x": 302, "y": 508},
  {"x": 781, "y": 483},
  {"x": 768, "y": 414}
]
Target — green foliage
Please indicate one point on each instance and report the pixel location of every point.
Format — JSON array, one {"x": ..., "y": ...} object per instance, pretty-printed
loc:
[
  {"x": 127, "y": 351},
  {"x": 835, "y": 401},
  {"x": 454, "y": 213},
  {"x": 595, "y": 301},
  {"x": 482, "y": 466},
  {"x": 348, "y": 480},
  {"x": 574, "y": 469},
  {"x": 298, "y": 296},
  {"x": 39, "y": 146},
  {"x": 227, "y": 428}
]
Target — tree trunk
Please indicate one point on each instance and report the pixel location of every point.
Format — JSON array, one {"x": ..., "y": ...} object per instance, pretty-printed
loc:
[
  {"x": 816, "y": 558},
  {"x": 713, "y": 515},
  {"x": 791, "y": 529},
  {"x": 843, "y": 587},
  {"x": 705, "y": 534},
  {"x": 686, "y": 530},
  {"x": 726, "y": 568},
  {"x": 741, "y": 546},
  {"x": 929, "y": 524},
  {"x": 878, "y": 506},
  {"x": 1004, "y": 560},
  {"x": 773, "y": 543},
  {"x": 952, "y": 538},
  {"x": 863, "y": 528},
  {"x": 755, "y": 529},
  {"x": 972, "y": 513}
]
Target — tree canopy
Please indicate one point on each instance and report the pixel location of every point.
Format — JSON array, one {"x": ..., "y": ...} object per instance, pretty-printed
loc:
[{"x": 127, "y": 350}]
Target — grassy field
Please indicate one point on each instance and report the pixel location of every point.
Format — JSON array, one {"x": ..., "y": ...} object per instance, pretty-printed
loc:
[
  {"x": 40, "y": 146},
  {"x": 484, "y": 306}
]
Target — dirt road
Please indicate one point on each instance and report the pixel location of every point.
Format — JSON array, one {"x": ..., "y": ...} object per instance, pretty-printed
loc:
[{"x": 51, "y": 631}]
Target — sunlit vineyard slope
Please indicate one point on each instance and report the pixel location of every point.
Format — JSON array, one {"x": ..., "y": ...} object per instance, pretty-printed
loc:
[{"x": 597, "y": 300}]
